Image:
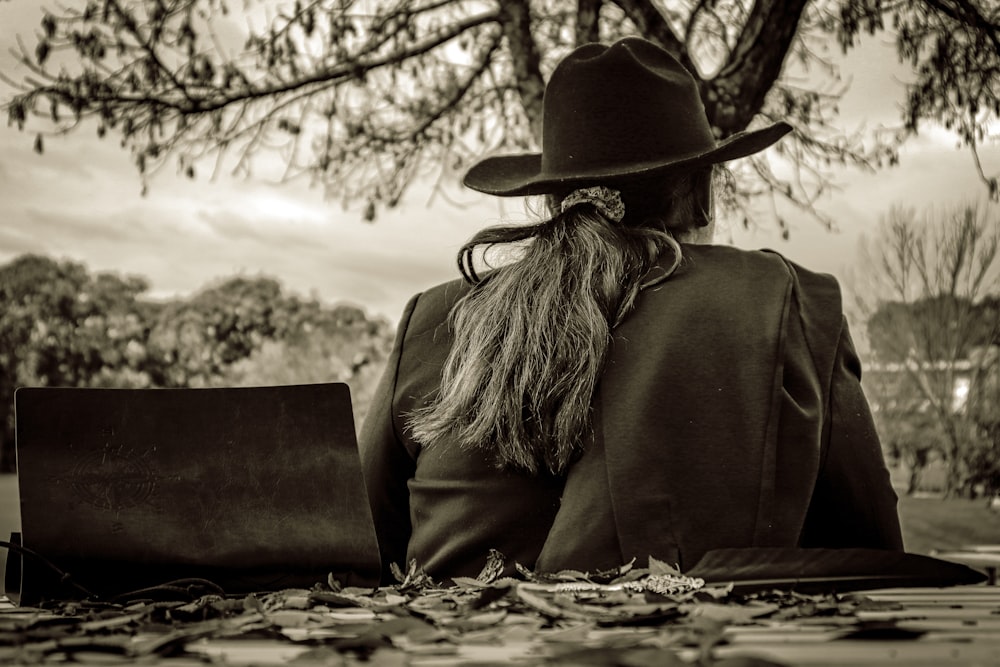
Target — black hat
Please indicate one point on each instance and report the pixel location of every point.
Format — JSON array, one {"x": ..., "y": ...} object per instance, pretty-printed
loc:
[{"x": 612, "y": 113}]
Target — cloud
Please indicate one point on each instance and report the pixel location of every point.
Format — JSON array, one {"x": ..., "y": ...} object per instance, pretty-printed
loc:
[
  {"x": 81, "y": 200},
  {"x": 16, "y": 241},
  {"x": 185, "y": 234},
  {"x": 932, "y": 174}
]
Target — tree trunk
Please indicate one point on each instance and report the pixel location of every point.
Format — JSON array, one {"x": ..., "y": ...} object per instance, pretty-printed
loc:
[
  {"x": 515, "y": 17},
  {"x": 736, "y": 94},
  {"x": 955, "y": 486},
  {"x": 913, "y": 480},
  {"x": 7, "y": 457},
  {"x": 588, "y": 14}
]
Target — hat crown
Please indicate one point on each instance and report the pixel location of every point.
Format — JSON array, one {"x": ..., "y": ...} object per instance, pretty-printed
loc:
[
  {"x": 621, "y": 105},
  {"x": 613, "y": 113}
]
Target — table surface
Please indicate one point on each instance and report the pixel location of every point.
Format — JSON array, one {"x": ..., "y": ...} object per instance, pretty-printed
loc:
[{"x": 521, "y": 623}]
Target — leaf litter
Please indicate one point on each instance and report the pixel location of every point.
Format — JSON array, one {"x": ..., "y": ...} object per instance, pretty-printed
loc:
[{"x": 626, "y": 616}]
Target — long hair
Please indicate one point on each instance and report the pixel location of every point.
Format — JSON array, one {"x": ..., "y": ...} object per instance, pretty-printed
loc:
[{"x": 531, "y": 337}]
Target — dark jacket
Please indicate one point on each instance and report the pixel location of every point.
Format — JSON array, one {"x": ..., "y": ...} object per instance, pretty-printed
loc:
[{"x": 729, "y": 414}]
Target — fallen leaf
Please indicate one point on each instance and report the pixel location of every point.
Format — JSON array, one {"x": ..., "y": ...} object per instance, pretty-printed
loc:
[
  {"x": 621, "y": 657},
  {"x": 746, "y": 661},
  {"x": 294, "y": 618},
  {"x": 476, "y": 621},
  {"x": 541, "y": 604},
  {"x": 731, "y": 613},
  {"x": 657, "y": 566},
  {"x": 468, "y": 582},
  {"x": 493, "y": 568},
  {"x": 488, "y": 596}
]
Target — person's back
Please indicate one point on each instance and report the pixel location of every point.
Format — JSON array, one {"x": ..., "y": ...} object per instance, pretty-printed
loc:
[{"x": 613, "y": 394}]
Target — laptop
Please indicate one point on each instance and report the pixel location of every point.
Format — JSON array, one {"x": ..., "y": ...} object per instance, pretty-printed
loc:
[{"x": 253, "y": 489}]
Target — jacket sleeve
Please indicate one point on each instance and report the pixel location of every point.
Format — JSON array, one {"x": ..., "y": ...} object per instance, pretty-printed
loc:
[
  {"x": 387, "y": 464},
  {"x": 854, "y": 504}
]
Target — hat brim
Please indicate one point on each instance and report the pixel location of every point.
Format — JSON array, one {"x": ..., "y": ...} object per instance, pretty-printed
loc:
[{"x": 522, "y": 175}]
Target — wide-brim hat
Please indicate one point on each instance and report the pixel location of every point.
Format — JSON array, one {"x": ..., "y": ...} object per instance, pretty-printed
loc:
[{"x": 611, "y": 114}]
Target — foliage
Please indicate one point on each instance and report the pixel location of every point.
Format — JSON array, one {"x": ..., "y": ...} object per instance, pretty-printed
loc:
[
  {"x": 932, "y": 524},
  {"x": 931, "y": 316},
  {"x": 367, "y": 97},
  {"x": 957, "y": 70},
  {"x": 908, "y": 434},
  {"x": 623, "y": 616},
  {"x": 63, "y": 326},
  {"x": 983, "y": 408},
  {"x": 60, "y": 325},
  {"x": 338, "y": 344},
  {"x": 196, "y": 339}
]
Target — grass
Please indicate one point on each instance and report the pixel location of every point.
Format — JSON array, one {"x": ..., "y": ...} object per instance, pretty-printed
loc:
[
  {"x": 10, "y": 516},
  {"x": 942, "y": 524},
  {"x": 928, "y": 523}
]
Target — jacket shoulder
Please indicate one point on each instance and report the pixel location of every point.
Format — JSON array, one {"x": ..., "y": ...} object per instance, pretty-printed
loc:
[
  {"x": 764, "y": 262},
  {"x": 751, "y": 274},
  {"x": 432, "y": 306},
  {"x": 819, "y": 290},
  {"x": 819, "y": 306}
]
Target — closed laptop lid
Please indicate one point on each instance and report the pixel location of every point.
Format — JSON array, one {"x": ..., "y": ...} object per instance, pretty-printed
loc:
[{"x": 254, "y": 488}]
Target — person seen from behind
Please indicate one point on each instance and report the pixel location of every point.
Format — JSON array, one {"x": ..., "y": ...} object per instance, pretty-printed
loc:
[{"x": 623, "y": 388}]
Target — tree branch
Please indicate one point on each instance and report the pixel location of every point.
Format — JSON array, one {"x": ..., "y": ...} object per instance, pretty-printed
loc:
[
  {"x": 588, "y": 13},
  {"x": 653, "y": 26},
  {"x": 515, "y": 16},
  {"x": 320, "y": 79},
  {"x": 968, "y": 14},
  {"x": 737, "y": 92}
]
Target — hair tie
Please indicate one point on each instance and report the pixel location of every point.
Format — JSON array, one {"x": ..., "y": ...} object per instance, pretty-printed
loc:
[{"x": 607, "y": 201}]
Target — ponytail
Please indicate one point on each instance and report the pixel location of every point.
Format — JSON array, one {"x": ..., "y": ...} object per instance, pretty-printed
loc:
[{"x": 531, "y": 337}]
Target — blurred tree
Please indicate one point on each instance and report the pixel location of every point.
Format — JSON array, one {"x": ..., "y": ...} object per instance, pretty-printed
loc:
[
  {"x": 338, "y": 344},
  {"x": 365, "y": 97},
  {"x": 195, "y": 339},
  {"x": 983, "y": 405},
  {"x": 246, "y": 331},
  {"x": 927, "y": 295},
  {"x": 910, "y": 435},
  {"x": 60, "y": 325}
]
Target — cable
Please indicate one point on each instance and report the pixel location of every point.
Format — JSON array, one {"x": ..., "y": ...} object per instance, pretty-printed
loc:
[
  {"x": 64, "y": 577},
  {"x": 177, "y": 589}
]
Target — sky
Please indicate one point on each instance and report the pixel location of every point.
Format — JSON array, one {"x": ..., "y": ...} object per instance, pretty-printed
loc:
[{"x": 81, "y": 200}]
